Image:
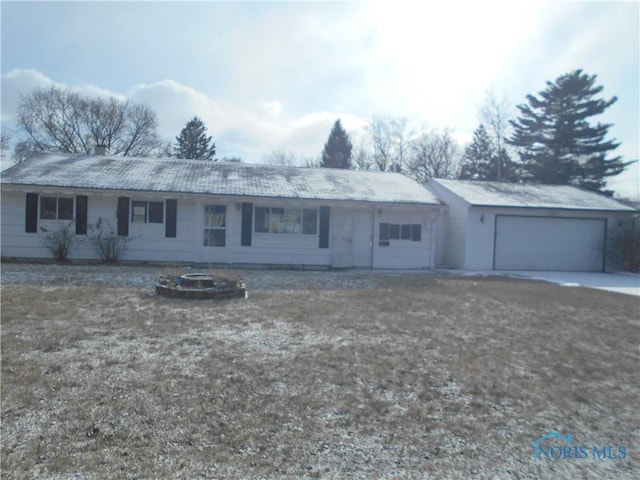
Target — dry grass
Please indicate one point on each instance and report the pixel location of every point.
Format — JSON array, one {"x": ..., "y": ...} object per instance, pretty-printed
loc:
[{"x": 416, "y": 376}]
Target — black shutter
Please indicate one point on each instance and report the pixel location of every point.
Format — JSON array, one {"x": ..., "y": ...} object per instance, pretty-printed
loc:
[
  {"x": 247, "y": 223},
  {"x": 170, "y": 226},
  {"x": 82, "y": 204},
  {"x": 324, "y": 227},
  {"x": 123, "y": 216},
  {"x": 31, "y": 220}
]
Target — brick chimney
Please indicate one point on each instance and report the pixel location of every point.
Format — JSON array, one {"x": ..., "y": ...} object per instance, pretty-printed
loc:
[{"x": 101, "y": 150}]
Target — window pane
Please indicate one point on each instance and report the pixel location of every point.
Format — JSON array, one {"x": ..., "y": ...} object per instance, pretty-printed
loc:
[
  {"x": 405, "y": 232},
  {"x": 384, "y": 231},
  {"x": 416, "y": 233},
  {"x": 394, "y": 232},
  {"x": 276, "y": 224},
  {"x": 156, "y": 212},
  {"x": 65, "y": 209},
  {"x": 215, "y": 216},
  {"x": 48, "y": 208},
  {"x": 310, "y": 221},
  {"x": 138, "y": 212},
  {"x": 262, "y": 220},
  {"x": 292, "y": 220},
  {"x": 214, "y": 237}
]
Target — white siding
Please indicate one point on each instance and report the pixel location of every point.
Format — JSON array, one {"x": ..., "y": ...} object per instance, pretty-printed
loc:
[
  {"x": 404, "y": 253},
  {"x": 481, "y": 235},
  {"x": 479, "y": 239},
  {"x": 358, "y": 226},
  {"x": 274, "y": 248},
  {"x": 455, "y": 230},
  {"x": 147, "y": 240},
  {"x": 15, "y": 242}
]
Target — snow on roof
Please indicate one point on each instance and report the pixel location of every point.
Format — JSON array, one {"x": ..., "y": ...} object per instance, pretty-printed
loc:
[
  {"x": 214, "y": 178},
  {"x": 498, "y": 194}
]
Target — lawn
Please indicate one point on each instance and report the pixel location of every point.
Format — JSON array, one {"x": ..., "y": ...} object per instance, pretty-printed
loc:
[{"x": 315, "y": 375}]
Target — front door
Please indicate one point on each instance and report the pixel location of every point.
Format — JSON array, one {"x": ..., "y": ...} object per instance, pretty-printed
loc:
[
  {"x": 341, "y": 256},
  {"x": 362, "y": 244},
  {"x": 214, "y": 234}
]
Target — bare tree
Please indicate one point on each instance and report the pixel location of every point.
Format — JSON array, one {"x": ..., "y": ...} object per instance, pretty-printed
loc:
[
  {"x": 282, "y": 158},
  {"x": 434, "y": 155},
  {"x": 388, "y": 139},
  {"x": 5, "y": 140},
  {"x": 58, "y": 119},
  {"x": 361, "y": 158},
  {"x": 494, "y": 115}
]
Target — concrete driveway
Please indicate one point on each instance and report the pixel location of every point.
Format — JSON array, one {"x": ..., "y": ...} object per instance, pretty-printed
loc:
[{"x": 627, "y": 283}]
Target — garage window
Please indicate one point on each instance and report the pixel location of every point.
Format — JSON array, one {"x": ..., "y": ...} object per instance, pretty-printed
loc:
[{"x": 391, "y": 231}]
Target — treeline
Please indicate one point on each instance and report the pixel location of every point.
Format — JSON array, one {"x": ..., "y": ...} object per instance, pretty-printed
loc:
[{"x": 550, "y": 139}]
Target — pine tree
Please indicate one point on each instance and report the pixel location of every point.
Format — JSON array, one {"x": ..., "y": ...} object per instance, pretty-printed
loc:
[
  {"x": 555, "y": 141},
  {"x": 476, "y": 162},
  {"x": 337, "y": 150},
  {"x": 193, "y": 142},
  {"x": 485, "y": 161}
]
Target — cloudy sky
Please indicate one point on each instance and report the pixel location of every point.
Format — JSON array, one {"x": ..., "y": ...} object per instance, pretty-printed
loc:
[{"x": 270, "y": 76}]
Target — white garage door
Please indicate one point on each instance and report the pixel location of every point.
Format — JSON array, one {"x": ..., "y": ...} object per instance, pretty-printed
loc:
[{"x": 543, "y": 243}]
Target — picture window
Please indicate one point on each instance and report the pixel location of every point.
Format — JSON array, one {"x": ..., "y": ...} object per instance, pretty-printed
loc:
[{"x": 286, "y": 220}]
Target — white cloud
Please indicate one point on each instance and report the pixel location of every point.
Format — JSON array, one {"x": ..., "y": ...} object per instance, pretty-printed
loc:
[
  {"x": 17, "y": 83},
  {"x": 21, "y": 82},
  {"x": 239, "y": 130},
  {"x": 273, "y": 108}
]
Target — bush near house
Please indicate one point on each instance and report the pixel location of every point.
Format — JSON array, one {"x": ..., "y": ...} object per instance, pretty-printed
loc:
[
  {"x": 60, "y": 242},
  {"x": 629, "y": 244}
]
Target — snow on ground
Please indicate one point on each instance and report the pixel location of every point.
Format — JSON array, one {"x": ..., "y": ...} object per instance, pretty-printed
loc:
[
  {"x": 627, "y": 283},
  {"x": 145, "y": 276}
]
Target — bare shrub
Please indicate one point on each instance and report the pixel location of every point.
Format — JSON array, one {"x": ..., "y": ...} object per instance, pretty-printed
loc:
[
  {"x": 231, "y": 278},
  {"x": 630, "y": 245},
  {"x": 106, "y": 242},
  {"x": 60, "y": 242}
]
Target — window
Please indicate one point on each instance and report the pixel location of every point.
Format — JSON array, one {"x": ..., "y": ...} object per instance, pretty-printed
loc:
[
  {"x": 215, "y": 225},
  {"x": 390, "y": 231},
  {"x": 286, "y": 220},
  {"x": 54, "y": 208},
  {"x": 147, "y": 212}
]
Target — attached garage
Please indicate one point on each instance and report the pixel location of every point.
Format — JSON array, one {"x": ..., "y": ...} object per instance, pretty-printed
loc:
[
  {"x": 548, "y": 243},
  {"x": 508, "y": 226}
]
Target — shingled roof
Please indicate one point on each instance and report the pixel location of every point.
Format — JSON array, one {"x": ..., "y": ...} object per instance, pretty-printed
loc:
[
  {"x": 517, "y": 195},
  {"x": 214, "y": 178}
]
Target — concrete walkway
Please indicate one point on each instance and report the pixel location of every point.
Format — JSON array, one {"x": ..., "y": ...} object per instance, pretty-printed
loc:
[{"x": 627, "y": 283}]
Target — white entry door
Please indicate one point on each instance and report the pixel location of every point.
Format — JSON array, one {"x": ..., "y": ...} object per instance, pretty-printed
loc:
[
  {"x": 362, "y": 244},
  {"x": 213, "y": 243},
  {"x": 341, "y": 239}
]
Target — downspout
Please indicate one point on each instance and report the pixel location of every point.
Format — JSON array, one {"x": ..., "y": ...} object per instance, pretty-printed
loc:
[{"x": 373, "y": 231}]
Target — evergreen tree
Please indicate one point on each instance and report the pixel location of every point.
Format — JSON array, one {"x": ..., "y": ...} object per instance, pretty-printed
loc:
[
  {"x": 476, "y": 162},
  {"x": 483, "y": 160},
  {"x": 337, "y": 150},
  {"x": 194, "y": 143},
  {"x": 555, "y": 141}
]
